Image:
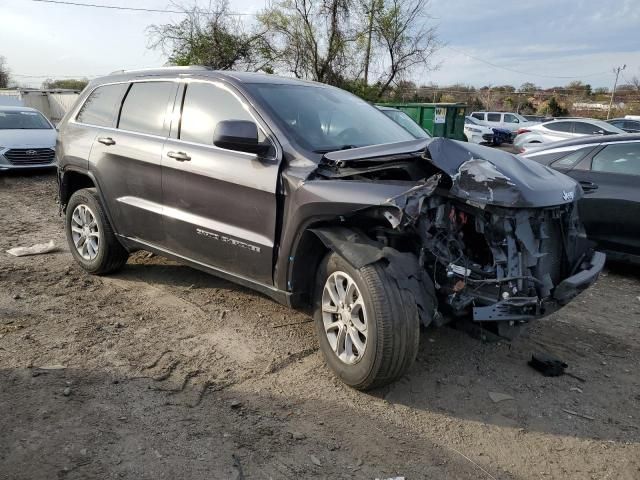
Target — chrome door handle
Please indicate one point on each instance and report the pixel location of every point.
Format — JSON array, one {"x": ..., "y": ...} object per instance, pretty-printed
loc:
[
  {"x": 106, "y": 141},
  {"x": 179, "y": 156}
]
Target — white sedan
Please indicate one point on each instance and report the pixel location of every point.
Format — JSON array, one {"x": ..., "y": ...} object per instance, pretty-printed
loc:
[
  {"x": 476, "y": 132},
  {"x": 27, "y": 139},
  {"x": 557, "y": 130}
]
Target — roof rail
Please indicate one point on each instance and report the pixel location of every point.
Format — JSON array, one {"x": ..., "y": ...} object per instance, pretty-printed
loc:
[{"x": 187, "y": 67}]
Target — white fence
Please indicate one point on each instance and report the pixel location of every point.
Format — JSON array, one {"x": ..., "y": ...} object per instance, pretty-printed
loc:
[{"x": 54, "y": 104}]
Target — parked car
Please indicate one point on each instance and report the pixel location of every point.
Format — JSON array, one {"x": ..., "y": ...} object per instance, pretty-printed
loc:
[
  {"x": 562, "y": 130},
  {"x": 405, "y": 121},
  {"x": 483, "y": 135},
  {"x": 314, "y": 197},
  {"x": 537, "y": 118},
  {"x": 629, "y": 126},
  {"x": 608, "y": 169},
  {"x": 508, "y": 121},
  {"x": 476, "y": 132},
  {"x": 27, "y": 139}
]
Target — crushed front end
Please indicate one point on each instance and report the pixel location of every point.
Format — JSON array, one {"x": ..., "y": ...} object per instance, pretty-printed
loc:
[
  {"x": 498, "y": 236},
  {"x": 501, "y": 264}
]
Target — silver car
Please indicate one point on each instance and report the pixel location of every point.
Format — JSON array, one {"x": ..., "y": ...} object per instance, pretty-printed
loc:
[
  {"x": 27, "y": 139},
  {"x": 557, "y": 130}
]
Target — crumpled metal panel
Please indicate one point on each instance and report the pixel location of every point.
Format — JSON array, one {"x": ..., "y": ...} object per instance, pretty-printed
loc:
[{"x": 479, "y": 175}]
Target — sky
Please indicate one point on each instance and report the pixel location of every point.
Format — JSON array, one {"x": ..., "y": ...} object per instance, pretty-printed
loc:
[{"x": 547, "y": 42}]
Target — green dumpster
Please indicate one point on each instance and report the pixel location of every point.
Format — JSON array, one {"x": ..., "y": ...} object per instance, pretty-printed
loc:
[{"x": 439, "y": 119}]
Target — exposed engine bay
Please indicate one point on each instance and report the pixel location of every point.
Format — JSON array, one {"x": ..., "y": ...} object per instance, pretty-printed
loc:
[{"x": 498, "y": 238}]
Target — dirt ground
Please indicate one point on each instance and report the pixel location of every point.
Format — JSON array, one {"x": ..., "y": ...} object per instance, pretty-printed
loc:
[{"x": 161, "y": 371}]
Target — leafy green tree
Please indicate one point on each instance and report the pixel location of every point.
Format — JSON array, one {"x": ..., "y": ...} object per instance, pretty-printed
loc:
[
  {"x": 528, "y": 87},
  {"x": 552, "y": 108},
  {"x": 71, "y": 84},
  {"x": 476, "y": 104}
]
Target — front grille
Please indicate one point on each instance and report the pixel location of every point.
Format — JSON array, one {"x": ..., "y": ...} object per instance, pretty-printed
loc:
[{"x": 30, "y": 156}]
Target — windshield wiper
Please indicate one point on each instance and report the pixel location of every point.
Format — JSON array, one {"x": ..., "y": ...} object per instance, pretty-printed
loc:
[{"x": 335, "y": 149}]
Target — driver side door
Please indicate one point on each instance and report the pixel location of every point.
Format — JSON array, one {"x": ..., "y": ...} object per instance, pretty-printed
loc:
[
  {"x": 219, "y": 205},
  {"x": 510, "y": 122}
]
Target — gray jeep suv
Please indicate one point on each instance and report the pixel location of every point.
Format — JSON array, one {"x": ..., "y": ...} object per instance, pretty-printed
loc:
[{"x": 312, "y": 196}]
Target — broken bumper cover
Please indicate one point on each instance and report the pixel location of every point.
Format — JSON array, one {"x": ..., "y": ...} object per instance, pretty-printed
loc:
[
  {"x": 572, "y": 286},
  {"x": 529, "y": 308}
]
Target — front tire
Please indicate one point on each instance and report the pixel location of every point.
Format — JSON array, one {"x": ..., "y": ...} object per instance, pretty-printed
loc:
[
  {"x": 90, "y": 236},
  {"x": 368, "y": 328}
]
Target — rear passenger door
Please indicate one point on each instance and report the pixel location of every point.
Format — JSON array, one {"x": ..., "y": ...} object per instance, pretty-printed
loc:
[
  {"x": 220, "y": 205},
  {"x": 610, "y": 208},
  {"x": 127, "y": 160}
]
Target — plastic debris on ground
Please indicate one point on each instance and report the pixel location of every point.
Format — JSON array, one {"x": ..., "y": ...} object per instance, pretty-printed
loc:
[{"x": 37, "y": 249}]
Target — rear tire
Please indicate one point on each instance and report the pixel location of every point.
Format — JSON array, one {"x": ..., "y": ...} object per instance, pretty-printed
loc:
[
  {"x": 91, "y": 239},
  {"x": 392, "y": 332}
]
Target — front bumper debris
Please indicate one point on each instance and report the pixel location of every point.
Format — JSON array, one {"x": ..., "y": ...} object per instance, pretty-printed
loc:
[
  {"x": 529, "y": 308},
  {"x": 572, "y": 286}
]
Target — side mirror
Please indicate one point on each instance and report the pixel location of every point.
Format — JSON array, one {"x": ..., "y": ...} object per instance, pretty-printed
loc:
[
  {"x": 238, "y": 135},
  {"x": 600, "y": 132}
]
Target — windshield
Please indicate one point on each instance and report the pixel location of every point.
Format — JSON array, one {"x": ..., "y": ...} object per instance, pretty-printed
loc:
[
  {"x": 471, "y": 120},
  {"x": 406, "y": 122},
  {"x": 326, "y": 119},
  {"x": 22, "y": 120}
]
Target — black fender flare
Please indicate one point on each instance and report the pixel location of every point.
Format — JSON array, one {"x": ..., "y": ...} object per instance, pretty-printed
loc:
[
  {"x": 62, "y": 184},
  {"x": 359, "y": 250}
]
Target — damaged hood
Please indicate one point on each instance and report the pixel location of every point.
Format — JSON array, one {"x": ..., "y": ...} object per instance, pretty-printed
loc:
[{"x": 478, "y": 175}]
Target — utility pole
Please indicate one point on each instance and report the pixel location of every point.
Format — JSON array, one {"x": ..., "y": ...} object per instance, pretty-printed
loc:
[
  {"x": 368, "y": 52},
  {"x": 615, "y": 84}
]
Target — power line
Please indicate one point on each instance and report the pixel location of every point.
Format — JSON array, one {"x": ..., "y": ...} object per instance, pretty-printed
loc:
[
  {"x": 133, "y": 9},
  {"x": 520, "y": 71},
  {"x": 53, "y": 76}
]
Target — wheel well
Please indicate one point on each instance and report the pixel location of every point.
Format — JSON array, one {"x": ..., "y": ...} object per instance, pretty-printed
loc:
[
  {"x": 308, "y": 254},
  {"x": 72, "y": 182}
]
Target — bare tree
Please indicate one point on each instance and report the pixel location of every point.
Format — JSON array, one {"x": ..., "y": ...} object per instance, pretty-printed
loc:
[
  {"x": 4, "y": 73},
  {"x": 405, "y": 40},
  {"x": 214, "y": 37},
  {"x": 311, "y": 38}
]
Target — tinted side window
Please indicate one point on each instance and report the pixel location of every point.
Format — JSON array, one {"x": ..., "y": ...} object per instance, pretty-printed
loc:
[
  {"x": 511, "y": 118},
  {"x": 479, "y": 116},
  {"x": 493, "y": 117},
  {"x": 145, "y": 107},
  {"x": 559, "y": 126},
  {"x": 204, "y": 106},
  {"x": 631, "y": 125},
  {"x": 102, "y": 105},
  {"x": 586, "y": 128},
  {"x": 622, "y": 158}
]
